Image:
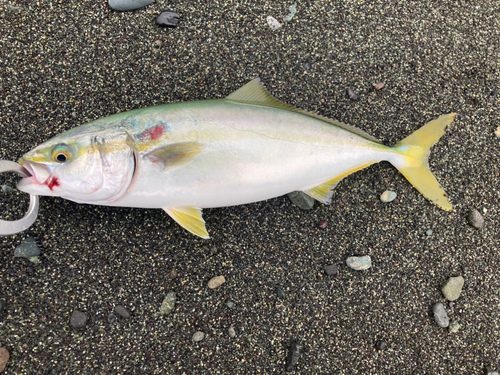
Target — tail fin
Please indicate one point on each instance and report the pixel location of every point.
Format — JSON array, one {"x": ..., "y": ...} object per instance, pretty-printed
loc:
[{"x": 414, "y": 164}]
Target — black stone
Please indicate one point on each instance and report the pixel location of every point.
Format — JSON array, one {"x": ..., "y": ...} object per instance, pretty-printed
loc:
[
  {"x": 381, "y": 345},
  {"x": 168, "y": 18}
]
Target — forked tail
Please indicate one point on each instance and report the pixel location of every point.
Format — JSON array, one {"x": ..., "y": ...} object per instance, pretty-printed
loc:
[{"x": 414, "y": 164}]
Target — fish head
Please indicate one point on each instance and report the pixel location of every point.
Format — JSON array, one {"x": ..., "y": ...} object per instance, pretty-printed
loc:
[{"x": 85, "y": 168}]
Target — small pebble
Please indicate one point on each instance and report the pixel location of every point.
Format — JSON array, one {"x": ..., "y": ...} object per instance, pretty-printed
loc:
[
  {"x": 122, "y": 311},
  {"x": 352, "y": 95},
  {"x": 4, "y": 358},
  {"x": 168, "y": 18},
  {"x": 454, "y": 327},
  {"x": 111, "y": 318},
  {"x": 280, "y": 292},
  {"x": 440, "y": 315},
  {"x": 381, "y": 345},
  {"x": 359, "y": 263},
  {"x": 378, "y": 86},
  {"x": 301, "y": 200},
  {"x": 490, "y": 371},
  {"x": 273, "y": 23},
  {"x": 78, "y": 319},
  {"x": 230, "y": 304},
  {"x": 2, "y": 305},
  {"x": 331, "y": 270},
  {"x": 232, "y": 332},
  {"x": 388, "y": 196},
  {"x": 497, "y": 132},
  {"x": 198, "y": 336},
  {"x": 475, "y": 219},
  {"x": 294, "y": 352},
  {"x": 7, "y": 189},
  {"x": 322, "y": 224},
  {"x": 27, "y": 249},
  {"x": 168, "y": 304},
  {"x": 293, "y": 11},
  {"x": 453, "y": 287},
  {"x": 216, "y": 282},
  {"x": 173, "y": 274},
  {"x": 124, "y": 5},
  {"x": 428, "y": 232}
]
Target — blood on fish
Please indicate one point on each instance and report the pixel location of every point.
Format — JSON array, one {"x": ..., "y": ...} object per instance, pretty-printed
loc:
[
  {"x": 54, "y": 181},
  {"x": 153, "y": 133}
]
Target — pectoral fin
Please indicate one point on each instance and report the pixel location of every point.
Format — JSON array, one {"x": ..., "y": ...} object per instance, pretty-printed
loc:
[
  {"x": 189, "y": 218},
  {"x": 174, "y": 155}
]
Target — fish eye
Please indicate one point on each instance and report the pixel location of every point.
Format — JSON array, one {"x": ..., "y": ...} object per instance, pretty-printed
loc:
[{"x": 61, "y": 153}]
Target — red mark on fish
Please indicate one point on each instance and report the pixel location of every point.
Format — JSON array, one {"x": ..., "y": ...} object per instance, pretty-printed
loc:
[
  {"x": 153, "y": 133},
  {"x": 53, "y": 181}
]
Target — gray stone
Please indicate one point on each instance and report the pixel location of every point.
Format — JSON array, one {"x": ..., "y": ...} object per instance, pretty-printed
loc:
[
  {"x": 168, "y": 304},
  {"x": 78, "y": 319},
  {"x": 475, "y": 219},
  {"x": 198, "y": 336},
  {"x": 168, "y": 18},
  {"x": 428, "y": 232},
  {"x": 490, "y": 371},
  {"x": 359, "y": 263},
  {"x": 232, "y": 332},
  {"x": 111, "y": 318},
  {"x": 331, "y": 270},
  {"x": 453, "y": 287},
  {"x": 27, "y": 249},
  {"x": 7, "y": 189},
  {"x": 122, "y": 311},
  {"x": 440, "y": 315},
  {"x": 301, "y": 200},
  {"x": 294, "y": 352},
  {"x": 124, "y": 5},
  {"x": 388, "y": 196},
  {"x": 230, "y": 304}
]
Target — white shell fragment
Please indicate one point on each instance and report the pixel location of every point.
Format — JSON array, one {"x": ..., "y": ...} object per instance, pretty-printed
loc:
[{"x": 273, "y": 23}]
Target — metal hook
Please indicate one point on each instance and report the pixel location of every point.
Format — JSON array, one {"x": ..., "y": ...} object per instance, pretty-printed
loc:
[{"x": 8, "y": 228}]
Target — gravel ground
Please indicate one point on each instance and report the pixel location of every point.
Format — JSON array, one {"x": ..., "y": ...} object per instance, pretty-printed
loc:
[{"x": 65, "y": 63}]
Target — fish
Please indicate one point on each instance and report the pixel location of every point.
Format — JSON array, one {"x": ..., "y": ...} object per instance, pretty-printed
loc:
[{"x": 247, "y": 147}]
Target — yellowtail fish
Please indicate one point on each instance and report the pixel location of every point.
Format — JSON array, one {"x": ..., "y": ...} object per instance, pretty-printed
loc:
[{"x": 245, "y": 148}]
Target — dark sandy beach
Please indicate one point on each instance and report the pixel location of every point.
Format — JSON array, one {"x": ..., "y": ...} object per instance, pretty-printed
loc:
[{"x": 64, "y": 63}]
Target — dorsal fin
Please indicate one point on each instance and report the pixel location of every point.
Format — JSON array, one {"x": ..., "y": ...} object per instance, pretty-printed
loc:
[{"x": 255, "y": 94}]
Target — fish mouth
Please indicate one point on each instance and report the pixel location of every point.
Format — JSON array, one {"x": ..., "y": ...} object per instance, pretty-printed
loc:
[{"x": 37, "y": 180}]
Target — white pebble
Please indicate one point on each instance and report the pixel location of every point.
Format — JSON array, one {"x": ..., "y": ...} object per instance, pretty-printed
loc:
[
  {"x": 388, "y": 196},
  {"x": 273, "y": 23}
]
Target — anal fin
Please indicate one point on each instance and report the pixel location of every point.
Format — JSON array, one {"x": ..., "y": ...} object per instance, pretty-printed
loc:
[
  {"x": 324, "y": 191},
  {"x": 190, "y": 219}
]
